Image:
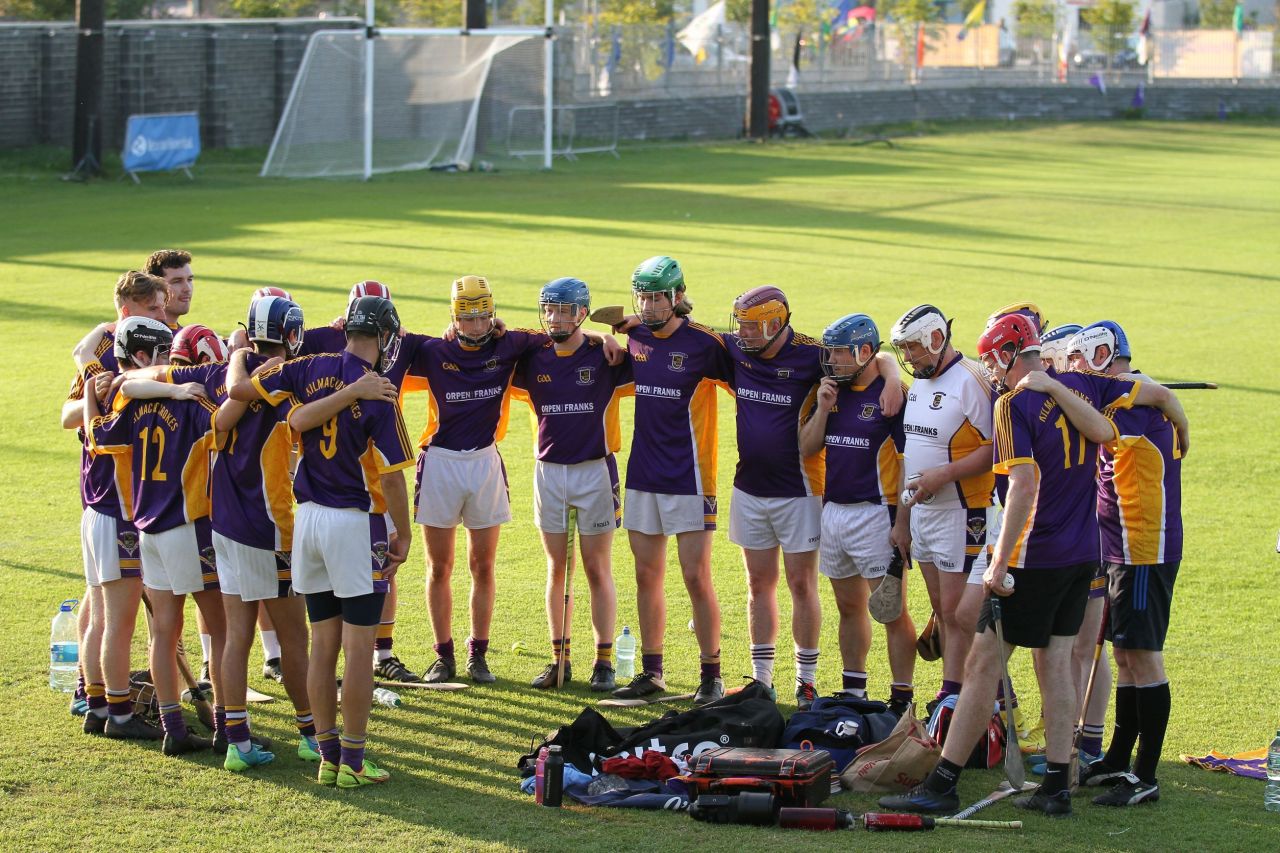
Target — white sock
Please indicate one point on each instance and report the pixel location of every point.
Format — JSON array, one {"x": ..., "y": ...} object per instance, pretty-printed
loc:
[
  {"x": 762, "y": 656},
  {"x": 806, "y": 665},
  {"x": 381, "y": 655},
  {"x": 270, "y": 645},
  {"x": 206, "y": 647}
]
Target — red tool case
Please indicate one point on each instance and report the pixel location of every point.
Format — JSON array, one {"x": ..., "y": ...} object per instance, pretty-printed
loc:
[{"x": 797, "y": 777}]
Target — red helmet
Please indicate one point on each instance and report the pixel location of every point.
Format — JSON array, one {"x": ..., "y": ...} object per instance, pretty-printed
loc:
[
  {"x": 271, "y": 291},
  {"x": 1008, "y": 337},
  {"x": 368, "y": 288},
  {"x": 197, "y": 345}
]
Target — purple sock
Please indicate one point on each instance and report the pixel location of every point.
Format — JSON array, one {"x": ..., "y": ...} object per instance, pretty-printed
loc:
[
  {"x": 237, "y": 725},
  {"x": 949, "y": 688},
  {"x": 219, "y": 722},
  {"x": 1000, "y": 697},
  {"x": 330, "y": 746},
  {"x": 477, "y": 647},
  {"x": 80, "y": 685},
  {"x": 353, "y": 753},
  {"x": 853, "y": 680},
  {"x": 172, "y": 723},
  {"x": 445, "y": 649},
  {"x": 651, "y": 663},
  {"x": 709, "y": 670},
  {"x": 901, "y": 692}
]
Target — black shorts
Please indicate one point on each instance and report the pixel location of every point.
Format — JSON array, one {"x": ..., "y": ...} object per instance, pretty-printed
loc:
[
  {"x": 1141, "y": 597},
  {"x": 1045, "y": 603},
  {"x": 360, "y": 610}
]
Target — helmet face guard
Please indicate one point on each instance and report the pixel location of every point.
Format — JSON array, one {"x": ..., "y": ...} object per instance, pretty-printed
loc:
[
  {"x": 920, "y": 326},
  {"x": 1096, "y": 347},
  {"x": 553, "y": 316},
  {"x": 1054, "y": 347},
  {"x": 845, "y": 372},
  {"x": 472, "y": 298},
  {"x": 275, "y": 320},
  {"x": 1000, "y": 345},
  {"x": 850, "y": 334},
  {"x": 651, "y": 314}
]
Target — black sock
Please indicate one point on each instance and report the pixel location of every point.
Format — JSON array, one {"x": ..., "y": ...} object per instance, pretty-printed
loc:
[
  {"x": 1056, "y": 777},
  {"x": 943, "y": 778},
  {"x": 1125, "y": 733},
  {"x": 1153, "y": 718}
]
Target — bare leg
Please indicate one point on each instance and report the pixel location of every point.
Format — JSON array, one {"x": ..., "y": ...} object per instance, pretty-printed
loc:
[
  {"x": 322, "y": 672},
  {"x": 597, "y": 552},
  {"x": 695, "y": 564},
  {"x": 289, "y": 616},
  {"x": 482, "y": 556},
  {"x": 357, "y": 678},
  {"x": 440, "y": 547},
  {"x": 120, "y": 599},
  {"x": 650, "y": 553}
]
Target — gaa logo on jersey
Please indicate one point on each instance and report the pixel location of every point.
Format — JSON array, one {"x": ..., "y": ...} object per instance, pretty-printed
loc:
[
  {"x": 491, "y": 365},
  {"x": 586, "y": 376},
  {"x": 868, "y": 412},
  {"x": 127, "y": 541},
  {"x": 677, "y": 361},
  {"x": 937, "y": 400},
  {"x": 449, "y": 365}
]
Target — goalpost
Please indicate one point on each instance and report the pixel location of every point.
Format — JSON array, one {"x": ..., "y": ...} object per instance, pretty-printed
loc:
[{"x": 371, "y": 101}]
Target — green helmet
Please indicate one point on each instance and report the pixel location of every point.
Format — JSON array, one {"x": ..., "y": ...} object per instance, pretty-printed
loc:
[{"x": 658, "y": 274}]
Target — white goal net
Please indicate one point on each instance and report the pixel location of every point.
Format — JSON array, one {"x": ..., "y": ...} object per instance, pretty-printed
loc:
[{"x": 434, "y": 100}]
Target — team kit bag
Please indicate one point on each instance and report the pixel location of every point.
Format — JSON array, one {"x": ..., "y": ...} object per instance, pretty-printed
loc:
[
  {"x": 795, "y": 777},
  {"x": 841, "y": 725},
  {"x": 746, "y": 718}
]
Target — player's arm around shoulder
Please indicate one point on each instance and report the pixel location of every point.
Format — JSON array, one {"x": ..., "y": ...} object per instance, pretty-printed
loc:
[
  {"x": 1157, "y": 396},
  {"x": 1090, "y": 422},
  {"x": 370, "y": 386}
]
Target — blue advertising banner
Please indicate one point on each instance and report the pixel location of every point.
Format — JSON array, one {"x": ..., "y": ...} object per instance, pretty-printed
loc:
[{"x": 160, "y": 142}]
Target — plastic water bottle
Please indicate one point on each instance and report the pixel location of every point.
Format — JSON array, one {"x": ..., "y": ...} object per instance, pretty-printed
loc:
[
  {"x": 64, "y": 649},
  {"x": 386, "y": 698},
  {"x": 540, "y": 775},
  {"x": 1272, "y": 798},
  {"x": 625, "y": 646}
]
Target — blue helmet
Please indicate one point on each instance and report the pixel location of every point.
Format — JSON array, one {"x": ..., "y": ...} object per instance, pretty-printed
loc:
[
  {"x": 1102, "y": 333},
  {"x": 276, "y": 320},
  {"x": 851, "y": 332},
  {"x": 1053, "y": 345},
  {"x": 564, "y": 291}
]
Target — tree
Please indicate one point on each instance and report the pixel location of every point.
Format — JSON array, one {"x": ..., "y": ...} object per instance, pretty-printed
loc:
[
  {"x": 1217, "y": 14},
  {"x": 1036, "y": 18},
  {"x": 65, "y": 10},
  {"x": 905, "y": 17},
  {"x": 1111, "y": 21}
]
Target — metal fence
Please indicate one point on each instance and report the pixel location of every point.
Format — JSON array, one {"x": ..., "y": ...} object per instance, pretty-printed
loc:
[{"x": 649, "y": 61}]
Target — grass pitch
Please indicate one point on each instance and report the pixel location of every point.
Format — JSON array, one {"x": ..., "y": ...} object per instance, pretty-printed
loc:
[{"x": 1168, "y": 228}]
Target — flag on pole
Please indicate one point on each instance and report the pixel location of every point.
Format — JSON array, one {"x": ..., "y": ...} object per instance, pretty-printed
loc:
[
  {"x": 1237, "y": 19},
  {"x": 973, "y": 19},
  {"x": 919, "y": 44},
  {"x": 1096, "y": 81},
  {"x": 1144, "y": 39},
  {"x": 701, "y": 31},
  {"x": 1139, "y": 97},
  {"x": 793, "y": 73}
]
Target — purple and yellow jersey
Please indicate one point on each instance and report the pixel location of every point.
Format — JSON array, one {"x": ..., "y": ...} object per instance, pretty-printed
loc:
[
  {"x": 1140, "y": 490},
  {"x": 864, "y": 448},
  {"x": 326, "y": 339},
  {"x": 104, "y": 478},
  {"x": 468, "y": 387},
  {"x": 342, "y": 460},
  {"x": 772, "y": 393},
  {"x": 1031, "y": 429},
  {"x": 947, "y": 417},
  {"x": 574, "y": 397},
  {"x": 673, "y": 448},
  {"x": 321, "y": 340},
  {"x": 252, "y": 492},
  {"x": 168, "y": 444}
]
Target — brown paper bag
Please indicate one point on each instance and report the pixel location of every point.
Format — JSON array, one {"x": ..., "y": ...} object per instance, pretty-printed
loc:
[{"x": 897, "y": 763}]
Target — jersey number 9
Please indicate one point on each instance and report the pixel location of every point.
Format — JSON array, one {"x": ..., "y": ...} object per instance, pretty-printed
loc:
[{"x": 329, "y": 444}]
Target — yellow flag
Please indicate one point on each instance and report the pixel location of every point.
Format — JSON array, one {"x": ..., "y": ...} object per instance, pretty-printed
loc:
[{"x": 976, "y": 15}]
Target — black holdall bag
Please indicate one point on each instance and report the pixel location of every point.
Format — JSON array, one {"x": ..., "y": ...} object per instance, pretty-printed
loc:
[{"x": 745, "y": 718}]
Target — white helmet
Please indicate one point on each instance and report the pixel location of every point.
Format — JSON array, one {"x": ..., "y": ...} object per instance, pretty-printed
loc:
[
  {"x": 917, "y": 326},
  {"x": 141, "y": 333}
]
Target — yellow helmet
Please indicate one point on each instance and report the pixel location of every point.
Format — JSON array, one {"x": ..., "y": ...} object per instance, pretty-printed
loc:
[
  {"x": 1026, "y": 309},
  {"x": 471, "y": 297},
  {"x": 765, "y": 310}
]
